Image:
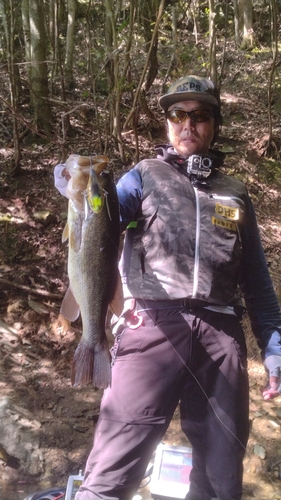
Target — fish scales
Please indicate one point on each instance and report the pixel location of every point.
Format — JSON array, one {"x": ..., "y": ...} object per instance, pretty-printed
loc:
[{"x": 93, "y": 275}]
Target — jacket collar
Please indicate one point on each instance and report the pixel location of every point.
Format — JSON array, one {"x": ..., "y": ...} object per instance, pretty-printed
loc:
[{"x": 197, "y": 167}]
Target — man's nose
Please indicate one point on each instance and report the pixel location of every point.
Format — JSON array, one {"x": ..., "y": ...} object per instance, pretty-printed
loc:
[{"x": 189, "y": 123}]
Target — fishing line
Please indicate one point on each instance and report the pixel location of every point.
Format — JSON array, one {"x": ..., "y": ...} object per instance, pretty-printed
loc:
[
  {"x": 107, "y": 204},
  {"x": 198, "y": 383}
]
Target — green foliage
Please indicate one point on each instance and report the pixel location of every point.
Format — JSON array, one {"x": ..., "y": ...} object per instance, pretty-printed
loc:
[
  {"x": 122, "y": 26},
  {"x": 86, "y": 94},
  {"x": 269, "y": 171},
  {"x": 101, "y": 86},
  {"x": 81, "y": 64}
]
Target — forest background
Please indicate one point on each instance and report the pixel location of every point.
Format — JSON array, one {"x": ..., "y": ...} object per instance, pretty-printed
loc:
[{"x": 84, "y": 77}]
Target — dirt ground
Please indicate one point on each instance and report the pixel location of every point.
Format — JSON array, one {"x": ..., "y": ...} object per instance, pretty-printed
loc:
[{"x": 54, "y": 422}]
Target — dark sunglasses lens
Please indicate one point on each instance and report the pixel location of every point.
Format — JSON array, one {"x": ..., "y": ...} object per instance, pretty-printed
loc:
[
  {"x": 198, "y": 115},
  {"x": 176, "y": 116},
  {"x": 201, "y": 115}
]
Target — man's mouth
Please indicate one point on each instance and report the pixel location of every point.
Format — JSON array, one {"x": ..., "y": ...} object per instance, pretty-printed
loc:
[{"x": 188, "y": 138}]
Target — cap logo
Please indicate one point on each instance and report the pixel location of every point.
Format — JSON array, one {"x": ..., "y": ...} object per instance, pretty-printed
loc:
[{"x": 188, "y": 87}]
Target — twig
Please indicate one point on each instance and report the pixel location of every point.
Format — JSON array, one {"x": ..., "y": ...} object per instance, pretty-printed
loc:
[
  {"x": 31, "y": 290},
  {"x": 155, "y": 31}
]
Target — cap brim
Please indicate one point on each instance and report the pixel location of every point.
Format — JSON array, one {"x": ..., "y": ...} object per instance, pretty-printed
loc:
[{"x": 168, "y": 99}]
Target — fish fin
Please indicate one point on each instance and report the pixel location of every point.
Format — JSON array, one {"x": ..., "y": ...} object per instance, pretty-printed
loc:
[
  {"x": 82, "y": 366},
  {"x": 117, "y": 303},
  {"x": 91, "y": 366},
  {"x": 102, "y": 367},
  {"x": 69, "y": 307},
  {"x": 75, "y": 235},
  {"x": 65, "y": 233}
]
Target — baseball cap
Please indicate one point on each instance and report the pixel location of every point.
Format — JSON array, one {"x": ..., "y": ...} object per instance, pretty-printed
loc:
[{"x": 191, "y": 88}]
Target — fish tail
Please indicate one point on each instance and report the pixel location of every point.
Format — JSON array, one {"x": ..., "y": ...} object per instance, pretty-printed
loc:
[
  {"x": 82, "y": 367},
  {"x": 102, "y": 367}
]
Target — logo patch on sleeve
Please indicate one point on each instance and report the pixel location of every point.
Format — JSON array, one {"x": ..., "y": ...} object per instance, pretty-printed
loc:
[{"x": 230, "y": 213}]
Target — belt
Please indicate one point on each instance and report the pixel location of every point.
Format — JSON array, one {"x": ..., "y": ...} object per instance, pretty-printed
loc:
[{"x": 190, "y": 304}]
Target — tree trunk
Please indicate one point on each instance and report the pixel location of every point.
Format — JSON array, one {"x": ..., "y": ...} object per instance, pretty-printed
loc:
[
  {"x": 236, "y": 22},
  {"x": 26, "y": 35},
  {"x": 7, "y": 11},
  {"x": 129, "y": 39},
  {"x": 52, "y": 30},
  {"x": 68, "y": 67},
  {"x": 109, "y": 29},
  {"x": 219, "y": 79},
  {"x": 212, "y": 42},
  {"x": 175, "y": 61},
  {"x": 149, "y": 10},
  {"x": 131, "y": 116},
  {"x": 194, "y": 14},
  {"x": 248, "y": 31},
  {"x": 39, "y": 71},
  {"x": 113, "y": 72},
  {"x": 13, "y": 88},
  {"x": 274, "y": 42},
  {"x": 92, "y": 71}
]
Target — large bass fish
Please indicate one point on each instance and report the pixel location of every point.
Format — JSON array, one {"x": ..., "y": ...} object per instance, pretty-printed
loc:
[{"x": 93, "y": 231}]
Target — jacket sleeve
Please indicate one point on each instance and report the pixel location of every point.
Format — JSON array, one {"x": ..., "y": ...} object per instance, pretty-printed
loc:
[
  {"x": 256, "y": 285},
  {"x": 129, "y": 190}
]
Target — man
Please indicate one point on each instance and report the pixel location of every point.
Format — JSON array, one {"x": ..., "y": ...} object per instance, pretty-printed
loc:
[{"x": 192, "y": 244}]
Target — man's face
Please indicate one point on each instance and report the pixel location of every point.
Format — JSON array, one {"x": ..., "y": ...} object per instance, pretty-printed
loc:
[{"x": 189, "y": 137}]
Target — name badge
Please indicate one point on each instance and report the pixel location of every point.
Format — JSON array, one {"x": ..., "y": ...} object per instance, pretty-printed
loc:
[
  {"x": 227, "y": 224},
  {"x": 230, "y": 213}
]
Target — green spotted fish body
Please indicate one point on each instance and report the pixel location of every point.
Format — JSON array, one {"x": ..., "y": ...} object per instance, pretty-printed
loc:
[{"x": 93, "y": 234}]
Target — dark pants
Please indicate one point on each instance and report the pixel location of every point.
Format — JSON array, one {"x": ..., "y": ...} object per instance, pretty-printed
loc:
[{"x": 198, "y": 360}]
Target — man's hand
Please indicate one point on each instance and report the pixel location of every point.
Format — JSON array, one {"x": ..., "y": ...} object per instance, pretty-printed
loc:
[{"x": 273, "y": 366}]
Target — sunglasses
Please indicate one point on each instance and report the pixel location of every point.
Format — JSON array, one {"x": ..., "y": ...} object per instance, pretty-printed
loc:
[{"x": 197, "y": 115}]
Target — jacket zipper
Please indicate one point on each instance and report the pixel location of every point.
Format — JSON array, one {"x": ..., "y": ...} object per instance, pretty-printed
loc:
[{"x": 197, "y": 239}]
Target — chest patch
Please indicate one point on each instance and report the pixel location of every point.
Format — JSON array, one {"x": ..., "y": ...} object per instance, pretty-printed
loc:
[
  {"x": 230, "y": 213},
  {"x": 227, "y": 224}
]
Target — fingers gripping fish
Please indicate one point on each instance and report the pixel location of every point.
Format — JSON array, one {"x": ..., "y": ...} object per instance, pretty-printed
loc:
[{"x": 93, "y": 231}]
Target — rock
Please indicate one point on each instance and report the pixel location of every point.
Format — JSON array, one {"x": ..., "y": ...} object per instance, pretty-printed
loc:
[
  {"x": 19, "y": 437},
  {"x": 260, "y": 451}
]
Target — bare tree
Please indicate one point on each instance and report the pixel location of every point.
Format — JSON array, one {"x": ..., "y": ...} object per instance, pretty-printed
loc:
[
  {"x": 248, "y": 29},
  {"x": 149, "y": 11},
  {"x": 26, "y": 35},
  {"x": 212, "y": 42},
  {"x": 36, "y": 51},
  {"x": 236, "y": 22},
  {"x": 174, "y": 62},
  {"x": 272, "y": 146},
  {"x": 7, "y": 8},
  {"x": 146, "y": 65},
  {"x": 113, "y": 72},
  {"x": 192, "y": 13},
  {"x": 70, "y": 41}
]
